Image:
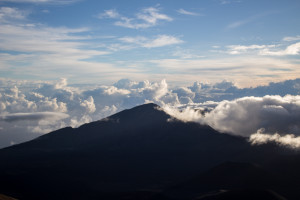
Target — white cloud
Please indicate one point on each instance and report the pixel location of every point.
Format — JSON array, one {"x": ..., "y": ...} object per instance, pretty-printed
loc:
[
  {"x": 246, "y": 70},
  {"x": 151, "y": 15},
  {"x": 147, "y": 17},
  {"x": 46, "y": 52},
  {"x": 109, "y": 14},
  {"x": 162, "y": 40},
  {"x": 8, "y": 13},
  {"x": 245, "y": 115},
  {"x": 158, "y": 41},
  {"x": 185, "y": 12},
  {"x": 44, "y": 39},
  {"x": 238, "y": 49},
  {"x": 288, "y": 140},
  {"x": 29, "y": 109},
  {"x": 293, "y": 49},
  {"x": 289, "y": 39}
]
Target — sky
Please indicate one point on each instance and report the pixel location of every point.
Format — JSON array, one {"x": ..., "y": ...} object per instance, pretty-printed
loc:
[
  {"x": 70, "y": 62},
  {"x": 247, "y": 42}
]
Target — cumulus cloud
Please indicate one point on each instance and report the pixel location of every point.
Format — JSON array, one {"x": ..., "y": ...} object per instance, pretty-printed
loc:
[
  {"x": 248, "y": 114},
  {"x": 38, "y": 108},
  {"x": 89, "y": 105},
  {"x": 288, "y": 140},
  {"x": 28, "y": 109},
  {"x": 245, "y": 115}
]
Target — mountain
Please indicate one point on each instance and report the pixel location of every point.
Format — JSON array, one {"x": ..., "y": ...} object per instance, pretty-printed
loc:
[{"x": 143, "y": 153}]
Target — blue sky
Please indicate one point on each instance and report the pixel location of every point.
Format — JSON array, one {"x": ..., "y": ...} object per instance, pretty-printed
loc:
[{"x": 247, "y": 42}]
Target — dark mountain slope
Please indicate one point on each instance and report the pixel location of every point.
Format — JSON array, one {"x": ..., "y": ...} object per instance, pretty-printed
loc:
[{"x": 136, "y": 149}]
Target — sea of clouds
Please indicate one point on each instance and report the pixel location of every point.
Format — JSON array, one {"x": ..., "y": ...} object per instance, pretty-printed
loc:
[{"x": 266, "y": 113}]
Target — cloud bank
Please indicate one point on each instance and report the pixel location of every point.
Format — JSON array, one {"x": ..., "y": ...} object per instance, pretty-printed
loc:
[{"x": 28, "y": 109}]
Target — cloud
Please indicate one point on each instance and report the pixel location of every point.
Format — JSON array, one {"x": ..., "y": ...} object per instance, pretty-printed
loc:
[
  {"x": 288, "y": 140},
  {"x": 238, "y": 49},
  {"x": 245, "y": 115},
  {"x": 289, "y": 39},
  {"x": 43, "y": 1},
  {"x": 113, "y": 14},
  {"x": 250, "y": 19},
  {"x": 147, "y": 17},
  {"x": 7, "y": 14},
  {"x": 246, "y": 70},
  {"x": 266, "y": 50},
  {"x": 33, "y": 116},
  {"x": 225, "y": 2},
  {"x": 185, "y": 12},
  {"x": 57, "y": 49},
  {"x": 248, "y": 114},
  {"x": 293, "y": 49},
  {"x": 158, "y": 41},
  {"x": 29, "y": 109}
]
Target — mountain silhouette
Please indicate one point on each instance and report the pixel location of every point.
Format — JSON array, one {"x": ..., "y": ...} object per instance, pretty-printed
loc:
[{"x": 144, "y": 153}]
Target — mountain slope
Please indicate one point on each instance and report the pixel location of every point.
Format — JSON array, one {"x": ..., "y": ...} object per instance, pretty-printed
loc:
[{"x": 136, "y": 149}]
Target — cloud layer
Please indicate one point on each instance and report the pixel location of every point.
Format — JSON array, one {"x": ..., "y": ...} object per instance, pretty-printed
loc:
[{"x": 28, "y": 109}]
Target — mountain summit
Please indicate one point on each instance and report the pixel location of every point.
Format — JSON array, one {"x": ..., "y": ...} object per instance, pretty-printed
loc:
[{"x": 135, "y": 154}]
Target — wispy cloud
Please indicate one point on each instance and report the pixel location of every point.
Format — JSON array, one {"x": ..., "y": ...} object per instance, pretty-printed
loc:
[
  {"x": 250, "y": 19},
  {"x": 289, "y": 39},
  {"x": 109, "y": 14},
  {"x": 7, "y": 14},
  {"x": 238, "y": 49},
  {"x": 45, "y": 51},
  {"x": 146, "y": 18},
  {"x": 158, "y": 41},
  {"x": 43, "y": 1},
  {"x": 293, "y": 49},
  {"x": 185, "y": 12},
  {"x": 37, "y": 38},
  {"x": 243, "y": 69},
  {"x": 223, "y": 2},
  {"x": 266, "y": 50}
]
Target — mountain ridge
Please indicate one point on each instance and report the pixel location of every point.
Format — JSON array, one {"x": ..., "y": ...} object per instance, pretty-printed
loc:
[{"x": 133, "y": 150}]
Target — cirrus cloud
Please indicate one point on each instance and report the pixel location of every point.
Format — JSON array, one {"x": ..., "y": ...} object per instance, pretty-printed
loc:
[
  {"x": 158, "y": 41},
  {"x": 147, "y": 17}
]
